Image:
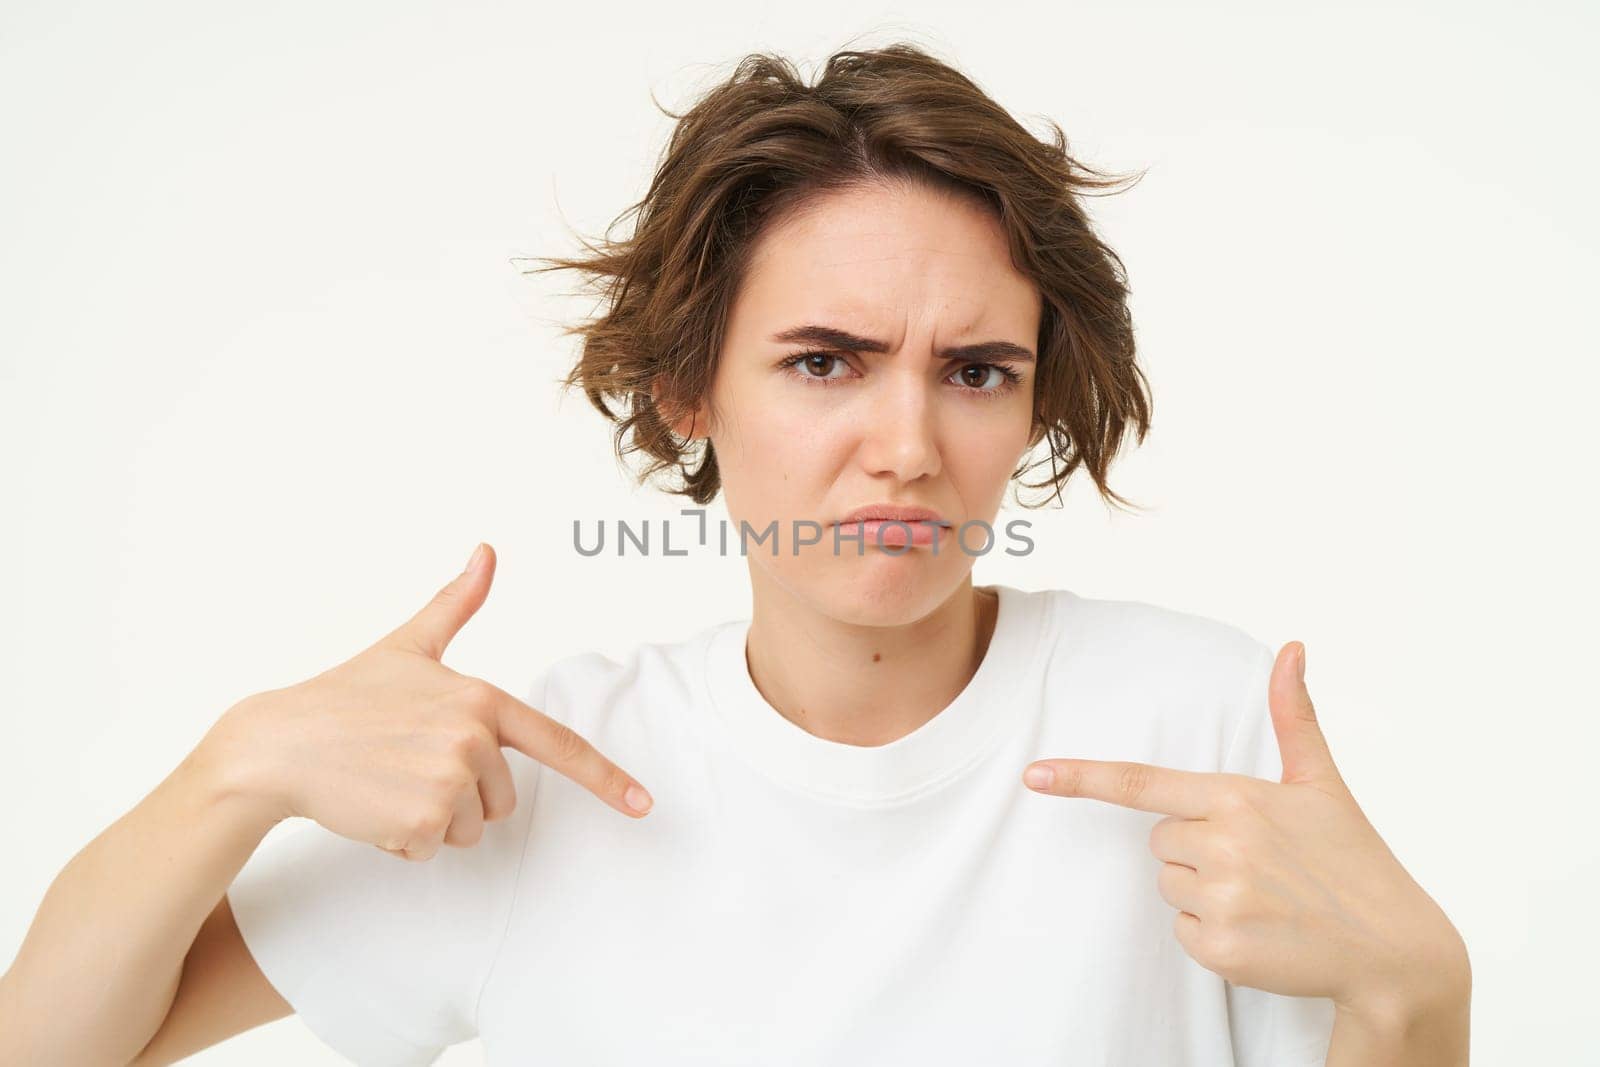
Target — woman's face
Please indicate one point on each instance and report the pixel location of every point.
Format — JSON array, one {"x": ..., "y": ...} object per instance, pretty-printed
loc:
[{"x": 917, "y": 272}]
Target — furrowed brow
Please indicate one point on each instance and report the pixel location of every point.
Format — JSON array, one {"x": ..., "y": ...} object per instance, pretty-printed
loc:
[{"x": 832, "y": 337}]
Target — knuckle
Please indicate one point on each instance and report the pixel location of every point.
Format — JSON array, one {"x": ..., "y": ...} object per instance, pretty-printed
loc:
[
  {"x": 451, "y": 778},
  {"x": 497, "y": 809},
  {"x": 613, "y": 782},
  {"x": 1227, "y": 850},
  {"x": 1223, "y": 950},
  {"x": 1228, "y": 897},
  {"x": 469, "y": 742},
  {"x": 478, "y": 696},
  {"x": 1132, "y": 780},
  {"x": 1162, "y": 834},
  {"x": 1231, "y": 800},
  {"x": 1239, "y": 797},
  {"x": 565, "y": 742},
  {"x": 426, "y": 824},
  {"x": 447, "y": 597},
  {"x": 464, "y": 836}
]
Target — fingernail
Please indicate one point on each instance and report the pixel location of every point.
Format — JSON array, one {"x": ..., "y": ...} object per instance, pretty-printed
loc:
[
  {"x": 477, "y": 555},
  {"x": 1300, "y": 661},
  {"x": 637, "y": 799},
  {"x": 1039, "y": 777}
]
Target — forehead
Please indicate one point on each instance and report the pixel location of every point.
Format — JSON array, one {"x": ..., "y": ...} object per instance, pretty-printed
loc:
[{"x": 869, "y": 250}]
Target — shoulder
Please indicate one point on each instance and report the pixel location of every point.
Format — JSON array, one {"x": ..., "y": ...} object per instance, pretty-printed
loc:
[
  {"x": 1153, "y": 635},
  {"x": 590, "y": 690},
  {"x": 1142, "y": 674},
  {"x": 639, "y": 707}
]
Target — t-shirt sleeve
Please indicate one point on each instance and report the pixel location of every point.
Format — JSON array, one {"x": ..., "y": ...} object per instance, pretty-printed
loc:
[
  {"x": 1269, "y": 1029},
  {"x": 384, "y": 958}
]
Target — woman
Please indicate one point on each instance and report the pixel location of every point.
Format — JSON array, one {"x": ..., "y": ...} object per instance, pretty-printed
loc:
[{"x": 854, "y": 304}]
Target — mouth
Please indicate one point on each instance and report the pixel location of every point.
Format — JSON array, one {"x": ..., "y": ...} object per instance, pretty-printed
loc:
[
  {"x": 894, "y": 525},
  {"x": 878, "y": 513}
]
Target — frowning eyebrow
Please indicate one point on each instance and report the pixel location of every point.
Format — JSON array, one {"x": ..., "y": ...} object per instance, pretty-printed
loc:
[{"x": 980, "y": 352}]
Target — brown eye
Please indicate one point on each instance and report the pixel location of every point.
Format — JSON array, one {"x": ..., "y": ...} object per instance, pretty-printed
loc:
[
  {"x": 977, "y": 375},
  {"x": 816, "y": 366},
  {"x": 811, "y": 362},
  {"x": 976, "y": 381}
]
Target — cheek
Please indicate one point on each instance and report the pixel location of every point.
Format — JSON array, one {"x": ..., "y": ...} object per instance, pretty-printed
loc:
[
  {"x": 982, "y": 454},
  {"x": 765, "y": 438},
  {"x": 773, "y": 452}
]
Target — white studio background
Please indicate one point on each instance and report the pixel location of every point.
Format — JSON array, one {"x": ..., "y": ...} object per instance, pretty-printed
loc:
[{"x": 268, "y": 371}]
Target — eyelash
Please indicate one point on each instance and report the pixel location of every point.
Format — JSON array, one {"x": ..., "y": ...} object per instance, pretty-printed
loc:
[{"x": 1012, "y": 378}]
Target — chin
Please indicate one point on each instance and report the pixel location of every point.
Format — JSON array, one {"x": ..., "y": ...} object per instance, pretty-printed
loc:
[{"x": 879, "y": 589}]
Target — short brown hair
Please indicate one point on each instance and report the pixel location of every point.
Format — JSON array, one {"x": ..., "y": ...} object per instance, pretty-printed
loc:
[{"x": 758, "y": 144}]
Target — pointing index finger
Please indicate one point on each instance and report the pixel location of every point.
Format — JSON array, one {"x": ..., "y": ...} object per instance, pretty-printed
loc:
[
  {"x": 555, "y": 744},
  {"x": 1186, "y": 794}
]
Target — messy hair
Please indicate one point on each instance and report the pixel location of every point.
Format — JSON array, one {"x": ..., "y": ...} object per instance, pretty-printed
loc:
[{"x": 758, "y": 145}]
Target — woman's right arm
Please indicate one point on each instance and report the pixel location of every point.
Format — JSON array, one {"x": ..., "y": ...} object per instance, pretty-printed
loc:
[
  {"x": 134, "y": 956},
  {"x": 137, "y": 924}
]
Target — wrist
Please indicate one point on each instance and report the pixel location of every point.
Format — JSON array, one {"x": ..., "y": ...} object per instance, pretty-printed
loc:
[
  {"x": 229, "y": 769},
  {"x": 1424, "y": 1020}
]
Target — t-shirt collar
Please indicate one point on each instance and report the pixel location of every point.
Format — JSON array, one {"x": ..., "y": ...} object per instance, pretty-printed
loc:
[{"x": 937, "y": 751}]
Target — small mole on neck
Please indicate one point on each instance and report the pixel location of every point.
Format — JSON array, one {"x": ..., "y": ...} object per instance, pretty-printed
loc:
[{"x": 875, "y": 657}]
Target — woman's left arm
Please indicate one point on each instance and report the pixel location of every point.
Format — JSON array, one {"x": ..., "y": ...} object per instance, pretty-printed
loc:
[{"x": 1287, "y": 887}]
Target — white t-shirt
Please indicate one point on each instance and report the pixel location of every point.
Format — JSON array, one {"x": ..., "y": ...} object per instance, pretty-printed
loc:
[{"x": 793, "y": 900}]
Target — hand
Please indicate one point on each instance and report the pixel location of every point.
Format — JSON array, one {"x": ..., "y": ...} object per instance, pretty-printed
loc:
[
  {"x": 395, "y": 749},
  {"x": 1285, "y": 886}
]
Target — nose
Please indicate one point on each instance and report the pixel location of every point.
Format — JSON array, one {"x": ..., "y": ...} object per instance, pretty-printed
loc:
[{"x": 900, "y": 438}]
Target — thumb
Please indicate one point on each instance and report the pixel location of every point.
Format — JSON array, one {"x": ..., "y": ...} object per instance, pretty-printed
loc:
[
  {"x": 430, "y": 630},
  {"x": 1303, "y": 748}
]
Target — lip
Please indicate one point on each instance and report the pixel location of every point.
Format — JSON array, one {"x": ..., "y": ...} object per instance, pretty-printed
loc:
[{"x": 892, "y": 512}]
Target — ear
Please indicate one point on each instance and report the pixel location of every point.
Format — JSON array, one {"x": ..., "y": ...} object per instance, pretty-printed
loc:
[{"x": 687, "y": 424}]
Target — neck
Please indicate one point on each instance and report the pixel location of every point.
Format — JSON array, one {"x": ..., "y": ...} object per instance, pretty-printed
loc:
[{"x": 860, "y": 684}]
